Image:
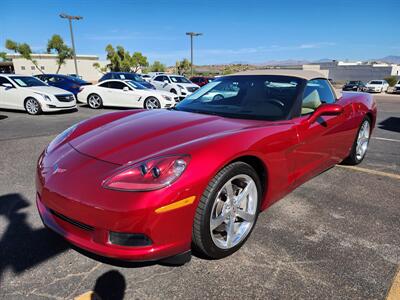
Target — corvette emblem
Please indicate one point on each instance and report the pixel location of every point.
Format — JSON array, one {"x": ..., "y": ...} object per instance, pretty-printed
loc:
[{"x": 57, "y": 169}]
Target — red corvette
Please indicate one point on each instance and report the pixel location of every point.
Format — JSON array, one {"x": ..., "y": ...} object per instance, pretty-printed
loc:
[{"x": 150, "y": 185}]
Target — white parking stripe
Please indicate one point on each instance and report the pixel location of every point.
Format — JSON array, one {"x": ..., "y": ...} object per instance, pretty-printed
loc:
[
  {"x": 379, "y": 173},
  {"x": 385, "y": 139}
]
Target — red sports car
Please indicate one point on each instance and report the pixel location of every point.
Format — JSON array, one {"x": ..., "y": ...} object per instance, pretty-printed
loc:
[{"x": 150, "y": 185}]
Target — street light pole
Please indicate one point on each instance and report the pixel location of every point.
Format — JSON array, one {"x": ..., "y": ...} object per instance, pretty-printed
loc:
[
  {"x": 70, "y": 18},
  {"x": 192, "y": 34}
]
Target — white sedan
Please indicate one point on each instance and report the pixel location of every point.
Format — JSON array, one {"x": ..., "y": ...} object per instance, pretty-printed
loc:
[
  {"x": 125, "y": 93},
  {"x": 32, "y": 95},
  {"x": 377, "y": 86}
]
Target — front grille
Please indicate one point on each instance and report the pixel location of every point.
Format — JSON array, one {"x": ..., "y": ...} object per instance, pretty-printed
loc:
[
  {"x": 192, "y": 89},
  {"x": 73, "y": 222},
  {"x": 65, "y": 98}
]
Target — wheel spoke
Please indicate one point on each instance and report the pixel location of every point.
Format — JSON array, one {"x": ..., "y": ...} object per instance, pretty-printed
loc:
[
  {"x": 229, "y": 191},
  {"x": 245, "y": 215},
  {"x": 215, "y": 222},
  {"x": 243, "y": 195},
  {"x": 230, "y": 232}
]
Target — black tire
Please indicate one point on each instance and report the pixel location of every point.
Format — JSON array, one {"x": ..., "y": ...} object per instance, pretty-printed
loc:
[
  {"x": 173, "y": 91},
  {"x": 352, "y": 158},
  {"x": 201, "y": 233},
  {"x": 218, "y": 97},
  {"x": 151, "y": 103},
  {"x": 32, "y": 106},
  {"x": 96, "y": 102}
]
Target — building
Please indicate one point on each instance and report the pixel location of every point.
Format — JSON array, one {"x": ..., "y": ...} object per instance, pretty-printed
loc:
[
  {"x": 47, "y": 63},
  {"x": 343, "y": 71}
]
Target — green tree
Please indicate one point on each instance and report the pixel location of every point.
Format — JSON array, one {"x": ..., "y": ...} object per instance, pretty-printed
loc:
[
  {"x": 56, "y": 44},
  {"x": 392, "y": 80},
  {"x": 157, "y": 67},
  {"x": 3, "y": 56},
  {"x": 24, "y": 50},
  {"x": 122, "y": 61},
  {"x": 139, "y": 61},
  {"x": 182, "y": 67},
  {"x": 99, "y": 68}
]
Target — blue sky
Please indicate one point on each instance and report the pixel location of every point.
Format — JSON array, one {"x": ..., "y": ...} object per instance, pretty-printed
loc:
[{"x": 248, "y": 30}]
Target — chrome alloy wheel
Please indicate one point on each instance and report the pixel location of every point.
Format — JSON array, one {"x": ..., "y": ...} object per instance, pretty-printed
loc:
[
  {"x": 32, "y": 106},
  {"x": 234, "y": 211},
  {"x": 152, "y": 103},
  {"x": 363, "y": 140},
  {"x": 94, "y": 101}
]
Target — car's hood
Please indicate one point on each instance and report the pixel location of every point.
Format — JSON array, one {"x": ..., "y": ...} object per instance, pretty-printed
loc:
[
  {"x": 48, "y": 90},
  {"x": 373, "y": 85},
  {"x": 151, "y": 133}
]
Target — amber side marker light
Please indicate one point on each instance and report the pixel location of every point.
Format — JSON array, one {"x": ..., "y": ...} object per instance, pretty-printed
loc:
[{"x": 175, "y": 205}]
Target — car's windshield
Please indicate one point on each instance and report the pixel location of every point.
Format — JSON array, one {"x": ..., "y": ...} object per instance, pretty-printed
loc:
[
  {"x": 353, "y": 82},
  {"x": 135, "y": 85},
  {"x": 179, "y": 79},
  {"x": 262, "y": 97},
  {"x": 131, "y": 76},
  {"x": 27, "y": 81},
  {"x": 375, "y": 82}
]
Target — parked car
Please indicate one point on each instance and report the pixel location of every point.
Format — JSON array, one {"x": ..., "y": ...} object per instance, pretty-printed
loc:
[
  {"x": 201, "y": 80},
  {"x": 32, "y": 95},
  {"x": 125, "y": 93},
  {"x": 146, "y": 77},
  {"x": 147, "y": 185},
  {"x": 175, "y": 84},
  {"x": 397, "y": 87},
  {"x": 377, "y": 86},
  {"x": 127, "y": 76},
  {"x": 69, "y": 83},
  {"x": 354, "y": 85}
]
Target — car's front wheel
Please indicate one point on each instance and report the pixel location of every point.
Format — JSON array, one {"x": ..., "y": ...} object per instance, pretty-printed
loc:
[
  {"x": 32, "y": 106},
  {"x": 152, "y": 103},
  {"x": 227, "y": 211},
  {"x": 361, "y": 143}
]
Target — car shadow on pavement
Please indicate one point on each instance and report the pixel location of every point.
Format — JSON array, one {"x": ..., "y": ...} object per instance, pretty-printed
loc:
[
  {"x": 2, "y": 117},
  {"x": 21, "y": 246},
  {"x": 391, "y": 124},
  {"x": 110, "y": 285}
]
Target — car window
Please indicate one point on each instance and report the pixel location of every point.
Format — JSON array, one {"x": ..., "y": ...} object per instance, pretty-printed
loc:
[
  {"x": 261, "y": 97},
  {"x": 4, "y": 80},
  {"x": 195, "y": 79},
  {"x": 158, "y": 78},
  {"x": 104, "y": 85},
  {"x": 54, "y": 79},
  {"x": 116, "y": 85},
  {"x": 317, "y": 91}
]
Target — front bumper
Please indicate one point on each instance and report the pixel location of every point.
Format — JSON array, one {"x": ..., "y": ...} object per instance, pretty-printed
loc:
[{"x": 73, "y": 204}]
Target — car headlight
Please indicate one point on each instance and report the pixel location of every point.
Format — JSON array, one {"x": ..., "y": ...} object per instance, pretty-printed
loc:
[
  {"x": 59, "y": 139},
  {"x": 168, "y": 98},
  {"x": 149, "y": 175},
  {"x": 45, "y": 97}
]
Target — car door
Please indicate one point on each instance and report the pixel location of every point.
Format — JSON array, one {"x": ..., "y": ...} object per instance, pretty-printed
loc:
[
  {"x": 9, "y": 96},
  {"x": 121, "y": 94},
  {"x": 321, "y": 143},
  {"x": 158, "y": 82}
]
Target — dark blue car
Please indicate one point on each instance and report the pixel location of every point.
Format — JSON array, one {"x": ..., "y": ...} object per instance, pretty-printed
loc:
[
  {"x": 128, "y": 76},
  {"x": 65, "y": 82}
]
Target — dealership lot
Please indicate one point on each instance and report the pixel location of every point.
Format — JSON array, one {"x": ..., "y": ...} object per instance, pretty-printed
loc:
[{"x": 335, "y": 237}]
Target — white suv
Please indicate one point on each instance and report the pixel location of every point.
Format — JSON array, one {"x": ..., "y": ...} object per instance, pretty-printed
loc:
[
  {"x": 377, "y": 86},
  {"x": 397, "y": 87},
  {"x": 175, "y": 84},
  {"x": 32, "y": 95}
]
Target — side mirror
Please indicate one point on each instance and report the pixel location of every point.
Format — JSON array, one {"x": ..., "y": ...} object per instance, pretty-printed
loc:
[
  {"x": 7, "y": 85},
  {"x": 325, "y": 110},
  {"x": 125, "y": 89},
  {"x": 166, "y": 81}
]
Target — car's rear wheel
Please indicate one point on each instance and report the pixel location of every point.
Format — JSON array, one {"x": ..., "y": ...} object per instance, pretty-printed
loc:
[
  {"x": 32, "y": 106},
  {"x": 95, "y": 101},
  {"x": 361, "y": 143},
  {"x": 227, "y": 211},
  {"x": 152, "y": 103}
]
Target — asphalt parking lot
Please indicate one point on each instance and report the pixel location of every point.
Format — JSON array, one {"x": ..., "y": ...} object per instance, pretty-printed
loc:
[{"x": 335, "y": 237}]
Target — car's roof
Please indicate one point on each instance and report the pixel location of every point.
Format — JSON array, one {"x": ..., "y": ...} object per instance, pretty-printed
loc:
[{"x": 306, "y": 74}]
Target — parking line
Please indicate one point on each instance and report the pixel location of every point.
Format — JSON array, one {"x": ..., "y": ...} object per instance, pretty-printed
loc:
[
  {"x": 379, "y": 173},
  {"x": 385, "y": 139},
  {"x": 88, "y": 296},
  {"x": 394, "y": 292}
]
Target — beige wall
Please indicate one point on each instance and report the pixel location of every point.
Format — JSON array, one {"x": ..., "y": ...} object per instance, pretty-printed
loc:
[{"x": 48, "y": 64}]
